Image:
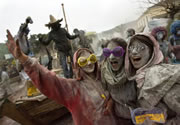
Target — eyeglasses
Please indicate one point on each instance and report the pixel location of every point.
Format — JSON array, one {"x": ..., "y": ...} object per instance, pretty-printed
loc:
[
  {"x": 138, "y": 48},
  {"x": 82, "y": 61},
  {"x": 118, "y": 52}
]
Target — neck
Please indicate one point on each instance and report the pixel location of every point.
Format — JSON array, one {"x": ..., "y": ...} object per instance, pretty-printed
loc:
[{"x": 117, "y": 72}]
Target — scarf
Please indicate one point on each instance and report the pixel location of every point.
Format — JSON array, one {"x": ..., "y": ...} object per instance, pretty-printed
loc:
[{"x": 110, "y": 77}]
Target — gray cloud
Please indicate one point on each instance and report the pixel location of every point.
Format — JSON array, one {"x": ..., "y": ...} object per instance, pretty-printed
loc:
[{"x": 90, "y": 15}]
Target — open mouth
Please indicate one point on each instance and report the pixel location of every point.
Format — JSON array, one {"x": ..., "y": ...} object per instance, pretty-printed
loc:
[
  {"x": 136, "y": 59},
  {"x": 114, "y": 62}
]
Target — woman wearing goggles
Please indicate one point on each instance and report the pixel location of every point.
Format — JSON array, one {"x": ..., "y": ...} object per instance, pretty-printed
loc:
[
  {"x": 84, "y": 96},
  {"x": 83, "y": 61},
  {"x": 122, "y": 91},
  {"x": 118, "y": 52}
]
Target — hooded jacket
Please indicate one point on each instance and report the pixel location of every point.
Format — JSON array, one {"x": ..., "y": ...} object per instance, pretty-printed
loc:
[
  {"x": 156, "y": 82},
  {"x": 81, "y": 96}
]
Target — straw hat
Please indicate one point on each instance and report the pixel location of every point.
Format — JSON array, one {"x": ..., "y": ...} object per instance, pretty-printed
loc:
[{"x": 53, "y": 21}]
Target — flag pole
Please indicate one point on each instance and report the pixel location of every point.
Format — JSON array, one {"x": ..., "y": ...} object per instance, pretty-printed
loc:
[
  {"x": 66, "y": 25},
  {"x": 65, "y": 17}
]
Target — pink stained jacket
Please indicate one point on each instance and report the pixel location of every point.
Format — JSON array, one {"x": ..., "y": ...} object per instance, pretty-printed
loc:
[{"x": 83, "y": 98}]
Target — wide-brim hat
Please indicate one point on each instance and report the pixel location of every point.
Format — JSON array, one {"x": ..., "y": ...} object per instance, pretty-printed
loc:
[{"x": 53, "y": 21}]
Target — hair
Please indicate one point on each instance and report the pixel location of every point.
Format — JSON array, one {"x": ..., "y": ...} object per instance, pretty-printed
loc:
[
  {"x": 159, "y": 29},
  {"x": 118, "y": 41},
  {"x": 174, "y": 26},
  {"x": 82, "y": 52},
  {"x": 146, "y": 40},
  {"x": 131, "y": 30}
]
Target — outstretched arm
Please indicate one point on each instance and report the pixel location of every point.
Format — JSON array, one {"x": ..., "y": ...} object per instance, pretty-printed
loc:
[
  {"x": 58, "y": 89},
  {"x": 45, "y": 39}
]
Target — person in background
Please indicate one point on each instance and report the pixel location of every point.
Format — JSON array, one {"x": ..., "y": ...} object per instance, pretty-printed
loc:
[
  {"x": 84, "y": 96},
  {"x": 160, "y": 34},
  {"x": 83, "y": 41},
  {"x": 129, "y": 33},
  {"x": 174, "y": 40},
  {"x": 61, "y": 38},
  {"x": 5, "y": 81}
]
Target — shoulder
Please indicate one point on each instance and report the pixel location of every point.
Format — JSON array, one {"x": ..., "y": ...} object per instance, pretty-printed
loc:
[{"x": 162, "y": 73}]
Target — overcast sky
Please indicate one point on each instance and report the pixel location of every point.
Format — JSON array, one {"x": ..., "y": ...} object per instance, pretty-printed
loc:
[{"x": 89, "y": 15}]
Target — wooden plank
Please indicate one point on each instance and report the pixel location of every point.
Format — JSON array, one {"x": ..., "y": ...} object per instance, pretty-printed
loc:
[
  {"x": 44, "y": 112},
  {"x": 9, "y": 109}
]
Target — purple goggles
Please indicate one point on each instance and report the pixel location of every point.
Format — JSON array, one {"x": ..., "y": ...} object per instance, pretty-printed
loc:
[{"x": 118, "y": 52}]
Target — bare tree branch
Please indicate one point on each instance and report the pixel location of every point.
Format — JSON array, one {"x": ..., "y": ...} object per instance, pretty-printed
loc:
[{"x": 170, "y": 6}]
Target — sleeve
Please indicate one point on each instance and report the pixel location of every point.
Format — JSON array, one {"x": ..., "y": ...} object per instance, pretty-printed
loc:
[
  {"x": 22, "y": 29},
  {"x": 46, "y": 40},
  {"x": 70, "y": 36},
  {"x": 58, "y": 89},
  {"x": 172, "y": 98}
]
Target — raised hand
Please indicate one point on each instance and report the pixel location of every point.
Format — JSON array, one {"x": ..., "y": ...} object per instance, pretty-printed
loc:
[{"x": 14, "y": 48}]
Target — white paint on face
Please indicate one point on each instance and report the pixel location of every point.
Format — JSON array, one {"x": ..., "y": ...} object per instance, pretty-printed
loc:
[
  {"x": 116, "y": 63},
  {"x": 139, "y": 54},
  {"x": 159, "y": 35},
  {"x": 89, "y": 68}
]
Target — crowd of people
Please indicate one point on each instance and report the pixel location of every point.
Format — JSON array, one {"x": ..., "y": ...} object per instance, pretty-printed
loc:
[{"x": 136, "y": 82}]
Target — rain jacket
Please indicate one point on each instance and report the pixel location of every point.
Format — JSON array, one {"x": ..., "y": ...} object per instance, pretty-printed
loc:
[
  {"x": 81, "y": 96},
  {"x": 158, "y": 84}
]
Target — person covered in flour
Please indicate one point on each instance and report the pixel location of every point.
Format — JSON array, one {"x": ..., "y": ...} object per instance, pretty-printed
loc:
[
  {"x": 158, "y": 84},
  {"x": 174, "y": 40},
  {"x": 122, "y": 91},
  {"x": 160, "y": 34}
]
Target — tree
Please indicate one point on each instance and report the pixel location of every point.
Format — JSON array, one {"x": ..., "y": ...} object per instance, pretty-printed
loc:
[{"x": 170, "y": 6}]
